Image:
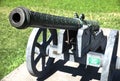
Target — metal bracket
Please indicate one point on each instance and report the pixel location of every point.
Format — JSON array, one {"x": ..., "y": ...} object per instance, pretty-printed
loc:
[
  {"x": 56, "y": 51},
  {"x": 80, "y": 39}
]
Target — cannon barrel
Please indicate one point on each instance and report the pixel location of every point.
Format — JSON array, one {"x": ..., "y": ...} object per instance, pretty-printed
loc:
[{"x": 22, "y": 18}]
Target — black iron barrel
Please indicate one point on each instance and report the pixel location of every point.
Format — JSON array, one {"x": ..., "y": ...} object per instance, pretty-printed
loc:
[{"x": 22, "y": 18}]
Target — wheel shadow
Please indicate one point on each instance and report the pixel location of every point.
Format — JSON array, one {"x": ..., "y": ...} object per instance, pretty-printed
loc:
[{"x": 87, "y": 74}]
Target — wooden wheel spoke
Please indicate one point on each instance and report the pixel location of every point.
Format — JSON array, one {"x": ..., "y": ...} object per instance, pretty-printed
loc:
[
  {"x": 44, "y": 35},
  {"x": 43, "y": 62},
  {"x": 37, "y": 58},
  {"x": 49, "y": 40},
  {"x": 38, "y": 45}
]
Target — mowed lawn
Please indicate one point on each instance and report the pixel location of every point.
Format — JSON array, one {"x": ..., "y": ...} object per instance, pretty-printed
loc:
[{"x": 13, "y": 42}]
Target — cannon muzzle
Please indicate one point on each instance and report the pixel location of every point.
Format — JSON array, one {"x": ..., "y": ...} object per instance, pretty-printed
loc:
[{"x": 22, "y": 18}]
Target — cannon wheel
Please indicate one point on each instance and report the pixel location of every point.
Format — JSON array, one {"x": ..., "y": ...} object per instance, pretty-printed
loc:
[
  {"x": 109, "y": 57},
  {"x": 38, "y": 62}
]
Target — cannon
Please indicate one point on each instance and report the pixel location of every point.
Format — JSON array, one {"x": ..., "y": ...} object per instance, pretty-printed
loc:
[{"x": 71, "y": 39}]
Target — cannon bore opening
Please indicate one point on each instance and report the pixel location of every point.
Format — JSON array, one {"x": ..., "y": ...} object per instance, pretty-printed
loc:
[{"x": 16, "y": 17}]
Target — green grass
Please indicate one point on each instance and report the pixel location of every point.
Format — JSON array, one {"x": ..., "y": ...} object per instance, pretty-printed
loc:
[
  {"x": 74, "y": 5},
  {"x": 13, "y": 42},
  {"x": 12, "y": 45}
]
